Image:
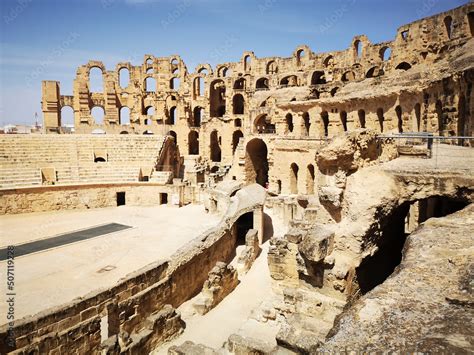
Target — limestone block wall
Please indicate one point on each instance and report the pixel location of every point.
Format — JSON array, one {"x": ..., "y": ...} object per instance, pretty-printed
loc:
[{"x": 57, "y": 198}]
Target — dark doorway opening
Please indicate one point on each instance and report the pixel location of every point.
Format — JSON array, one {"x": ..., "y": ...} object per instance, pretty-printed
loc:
[
  {"x": 163, "y": 198},
  {"x": 375, "y": 269},
  {"x": 243, "y": 225},
  {"x": 256, "y": 162},
  {"x": 120, "y": 198}
]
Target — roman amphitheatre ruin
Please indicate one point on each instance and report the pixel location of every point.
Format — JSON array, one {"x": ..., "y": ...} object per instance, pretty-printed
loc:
[{"x": 316, "y": 203}]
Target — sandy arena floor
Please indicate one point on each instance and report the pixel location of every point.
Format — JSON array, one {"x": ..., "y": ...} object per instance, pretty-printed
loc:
[{"x": 56, "y": 276}]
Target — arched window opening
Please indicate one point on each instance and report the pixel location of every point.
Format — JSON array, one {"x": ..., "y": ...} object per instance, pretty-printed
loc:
[
  {"x": 291, "y": 80},
  {"x": 334, "y": 91},
  {"x": 193, "y": 142},
  {"x": 174, "y": 61},
  {"x": 199, "y": 86},
  {"x": 174, "y": 135},
  {"x": 150, "y": 111},
  {"x": 262, "y": 83},
  {"x": 203, "y": 71},
  {"x": 67, "y": 117},
  {"x": 294, "y": 179},
  {"x": 247, "y": 63},
  {"x": 172, "y": 116},
  {"x": 272, "y": 68},
  {"x": 237, "y": 122},
  {"x": 289, "y": 122},
  {"x": 124, "y": 116},
  {"x": 325, "y": 122},
  {"x": 124, "y": 78},
  {"x": 148, "y": 122},
  {"x": 343, "y": 116},
  {"x": 218, "y": 99},
  {"x": 96, "y": 80},
  {"x": 197, "y": 116},
  {"x": 263, "y": 124},
  {"x": 404, "y": 35},
  {"x": 98, "y": 114},
  {"x": 403, "y": 66},
  {"x": 279, "y": 187},
  {"x": 361, "y": 114},
  {"x": 381, "y": 118},
  {"x": 374, "y": 72},
  {"x": 348, "y": 76},
  {"x": 236, "y": 137},
  {"x": 300, "y": 55},
  {"x": 149, "y": 61},
  {"x": 150, "y": 84},
  {"x": 215, "y": 147},
  {"x": 318, "y": 78},
  {"x": 470, "y": 20},
  {"x": 239, "y": 104},
  {"x": 329, "y": 61},
  {"x": 307, "y": 123},
  {"x": 310, "y": 180},
  {"x": 239, "y": 84},
  {"x": 256, "y": 162},
  {"x": 385, "y": 53},
  {"x": 448, "y": 23},
  {"x": 150, "y": 71},
  {"x": 398, "y": 111},
  {"x": 358, "y": 48},
  {"x": 174, "y": 83}
]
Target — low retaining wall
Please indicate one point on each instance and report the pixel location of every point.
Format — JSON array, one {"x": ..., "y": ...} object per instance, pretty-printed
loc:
[
  {"x": 133, "y": 304},
  {"x": 68, "y": 197}
]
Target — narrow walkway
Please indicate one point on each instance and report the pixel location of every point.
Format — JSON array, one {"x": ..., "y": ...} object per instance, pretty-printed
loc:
[
  {"x": 63, "y": 239},
  {"x": 235, "y": 314}
]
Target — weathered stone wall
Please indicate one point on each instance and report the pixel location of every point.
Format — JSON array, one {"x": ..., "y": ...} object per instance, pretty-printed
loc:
[{"x": 57, "y": 198}]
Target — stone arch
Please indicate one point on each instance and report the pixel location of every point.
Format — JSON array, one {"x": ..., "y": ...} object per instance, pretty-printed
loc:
[
  {"x": 175, "y": 83},
  {"x": 294, "y": 170},
  {"x": 318, "y": 78},
  {"x": 236, "y": 136},
  {"x": 240, "y": 84},
  {"x": 124, "y": 115},
  {"x": 403, "y": 66},
  {"x": 262, "y": 83},
  {"x": 310, "y": 178},
  {"x": 290, "y": 80},
  {"x": 150, "y": 84},
  {"x": 385, "y": 53},
  {"x": 272, "y": 67},
  {"x": 98, "y": 114},
  {"x": 193, "y": 143},
  {"x": 328, "y": 61},
  {"x": 247, "y": 63},
  {"x": 238, "y": 104},
  {"x": 197, "y": 116},
  {"x": 150, "y": 110},
  {"x": 256, "y": 162},
  {"x": 263, "y": 124},
  {"x": 448, "y": 24},
  {"x": 124, "y": 77},
  {"x": 215, "y": 148},
  {"x": 358, "y": 48},
  {"x": 348, "y": 76},
  {"x": 66, "y": 117},
  {"x": 217, "y": 98},
  {"x": 96, "y": 79},
  {"x": 199, "y": 86},
  {"x": 373, "y": 72},
  {"x": 172, "y": 118}
]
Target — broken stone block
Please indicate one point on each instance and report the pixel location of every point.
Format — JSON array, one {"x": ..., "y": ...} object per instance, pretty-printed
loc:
[
  {"x": 189, "y": 348},
  {"x": 239, "y": 345},
  {"x": 222, "y": 280},
  {"x": 250, "y": 253},
  {"x": 317, "y": 244},
  {"x": 330, "y": 196}
]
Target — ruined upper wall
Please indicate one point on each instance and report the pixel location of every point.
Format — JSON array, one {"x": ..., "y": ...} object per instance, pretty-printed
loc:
[{"x": 164, "y": 83}]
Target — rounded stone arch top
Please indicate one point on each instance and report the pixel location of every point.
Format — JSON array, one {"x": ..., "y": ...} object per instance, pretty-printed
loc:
[
  {"x": 300, "y": 49},
  {"x": 95, "y": 64},
  {"x": 123, "y": 65},
  {"x": 202, "y": 67}
]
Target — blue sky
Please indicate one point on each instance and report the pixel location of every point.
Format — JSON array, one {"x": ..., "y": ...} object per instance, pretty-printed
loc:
[{"x": 49, "y": 39}]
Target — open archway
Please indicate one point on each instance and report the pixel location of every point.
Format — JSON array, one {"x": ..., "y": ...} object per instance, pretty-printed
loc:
[
  {"x": 215, "y": 147},
  {"x": 193, "y": 143},
  {"x": 256, "y": 162},
  {"x": 236, "y": 139}
]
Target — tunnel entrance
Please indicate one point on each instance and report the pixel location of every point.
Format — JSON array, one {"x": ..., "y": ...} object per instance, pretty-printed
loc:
[
  {"x": 396, "y": 227},
  {"x": 256, "y": 162},
  {"x": 243, "y": 225}
]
